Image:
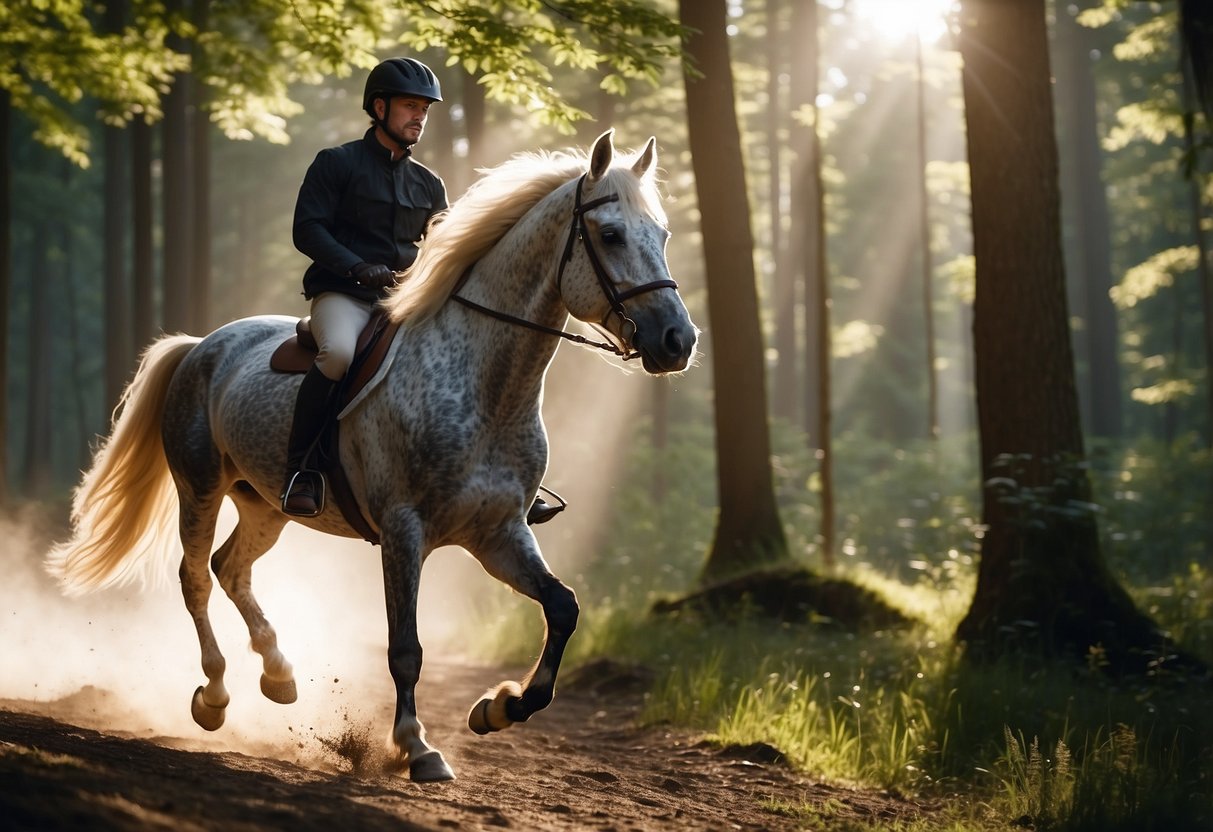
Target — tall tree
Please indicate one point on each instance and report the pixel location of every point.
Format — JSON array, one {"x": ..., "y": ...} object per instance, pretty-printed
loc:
[
  {"x": 809, "y": 257},
  {"x": 1042, "y": 580},
  {"x": 1085, "y": 211},
  {"x": 785, "y": 398},
  {"x": 176, "y": 181},
  {"x": 748, "y": 530},
  {"x": 119, "y": 348},
  {"x": 143, "y": 278},
  {"x": 6, "y": 278},
  {"x": 924, "y": 243}
]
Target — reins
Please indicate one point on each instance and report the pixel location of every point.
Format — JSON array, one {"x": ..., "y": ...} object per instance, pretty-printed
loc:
[{"x": 579, "y": 230}]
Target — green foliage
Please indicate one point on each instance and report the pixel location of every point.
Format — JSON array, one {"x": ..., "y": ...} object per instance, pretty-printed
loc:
[
  {"x": 511, "y": 46},
  {"x": 247, "y": 56},
  {"x": 52, "y": 56}
]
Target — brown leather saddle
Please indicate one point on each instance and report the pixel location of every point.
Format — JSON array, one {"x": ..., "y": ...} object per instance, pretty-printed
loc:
[{"x": 296, "y": 355}]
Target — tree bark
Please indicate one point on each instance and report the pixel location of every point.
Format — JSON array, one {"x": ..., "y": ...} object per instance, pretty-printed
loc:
[
  {"x": 199, "y": 317},
  {"x": 175, "y": 173},
  {"x": 1042, "y": 582},
  {"x": 119, "y": 350},
  {"x": 6, "y": 277},
  {"x": 808, "y": 218},
  {"x": 1085, "y": 210},
  {"x": 785, "y": 397},
  {"x": 748, "y": 532},
  {"x": 924, "y": 242},
  {"x": 143, "y": 278},
  {"x": 37, "y": 464}
]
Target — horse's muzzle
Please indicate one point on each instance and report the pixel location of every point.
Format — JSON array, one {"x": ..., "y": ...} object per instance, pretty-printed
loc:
[{"x": 667, "y": 349}]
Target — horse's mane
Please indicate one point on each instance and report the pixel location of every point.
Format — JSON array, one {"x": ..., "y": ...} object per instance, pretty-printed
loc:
[{"x": 492, "y": 206}]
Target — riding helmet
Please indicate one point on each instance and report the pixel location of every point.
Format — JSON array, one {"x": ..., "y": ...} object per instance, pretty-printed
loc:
[{"x": 400, "y": 76}]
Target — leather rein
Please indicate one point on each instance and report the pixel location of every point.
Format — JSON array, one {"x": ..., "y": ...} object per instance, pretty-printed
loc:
[{"x": 579, "y": 230}]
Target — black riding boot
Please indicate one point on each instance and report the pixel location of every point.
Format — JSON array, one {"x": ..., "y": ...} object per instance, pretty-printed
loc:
[{"x": 303, "y": 491}]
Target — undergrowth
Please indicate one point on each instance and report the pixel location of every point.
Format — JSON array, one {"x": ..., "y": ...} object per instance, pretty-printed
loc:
[{"x": 1019, "y": 741}]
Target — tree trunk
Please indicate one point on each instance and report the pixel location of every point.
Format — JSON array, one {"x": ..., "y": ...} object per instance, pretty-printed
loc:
[
  {"x": 1085, "y": 208},
  {"x": 928, "y": 271},
  {"x": 6, "y": 277},
  {"x": 37, "y": 462},
  {"x": 474, "y": 107},
  {"x": 748, "y": 530},
  {"x": 199, "y": 319},
  {"x": 119, "y": 351},
  {"x": 175, "y": 174},
  {"x": 1042, "y": 583},
  {"x": 143, "y": 280},
  {"x": 808, "y": 219},
  {"x": 785, "y": 398},
  {"x": 805, "y": 247}
]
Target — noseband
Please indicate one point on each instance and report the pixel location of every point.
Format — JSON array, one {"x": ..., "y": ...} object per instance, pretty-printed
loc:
[{"x": 579, "y": 230}]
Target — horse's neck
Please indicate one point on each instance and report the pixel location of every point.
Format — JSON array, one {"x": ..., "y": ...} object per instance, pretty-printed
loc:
[{"x": 517, "y": 277}]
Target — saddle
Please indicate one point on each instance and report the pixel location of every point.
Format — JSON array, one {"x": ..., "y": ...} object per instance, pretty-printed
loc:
[{"x": 296, "y": 355}]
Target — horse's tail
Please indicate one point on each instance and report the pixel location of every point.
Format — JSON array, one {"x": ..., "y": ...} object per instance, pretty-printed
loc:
[{"x": 124, "y": 510}]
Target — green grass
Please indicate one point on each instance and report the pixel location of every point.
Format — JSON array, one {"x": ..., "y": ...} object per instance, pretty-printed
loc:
[
  {"x": 1053, "y": 746},
  {"x": 1042, "y": 745}
]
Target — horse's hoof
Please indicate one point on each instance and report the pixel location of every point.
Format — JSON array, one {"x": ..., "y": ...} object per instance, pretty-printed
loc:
[
  {"x": 207, "y": 716},
  {"x": 430, "y": 767},
  {"x": 282, "y": 692},
  {"x": 488, "y": 714}
]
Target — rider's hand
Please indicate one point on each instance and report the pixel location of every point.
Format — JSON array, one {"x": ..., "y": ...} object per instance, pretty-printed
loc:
[{"x": 373, "y": 275}]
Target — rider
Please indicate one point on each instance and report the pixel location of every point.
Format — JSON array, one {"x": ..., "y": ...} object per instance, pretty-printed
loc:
[
  {"x": 362, "y": 208},
  {"x": 361, "y": 211}
]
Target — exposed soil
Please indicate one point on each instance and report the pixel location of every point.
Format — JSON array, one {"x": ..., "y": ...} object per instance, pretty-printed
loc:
[{"x": 583, "y": 764}]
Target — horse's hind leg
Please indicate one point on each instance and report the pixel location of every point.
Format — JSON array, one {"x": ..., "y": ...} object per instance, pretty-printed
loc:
[
  {"x": 518, "y": 564},
  {"x": 257, "y": 531},
  {"x": 198, "y": 515}
]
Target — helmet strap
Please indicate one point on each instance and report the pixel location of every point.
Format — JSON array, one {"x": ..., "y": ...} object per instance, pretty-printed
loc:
[{"x": 382, "y": 124}]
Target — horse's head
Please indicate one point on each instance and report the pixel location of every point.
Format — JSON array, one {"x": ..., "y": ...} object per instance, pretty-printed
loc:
[{"x": 614, "y": 272}]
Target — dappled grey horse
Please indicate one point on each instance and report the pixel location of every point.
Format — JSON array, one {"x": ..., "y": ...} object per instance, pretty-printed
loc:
[{"x": 447, "y": 448}]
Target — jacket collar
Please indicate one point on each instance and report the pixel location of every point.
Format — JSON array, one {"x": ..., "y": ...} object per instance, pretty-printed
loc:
[{"x": 378, "y": 151}]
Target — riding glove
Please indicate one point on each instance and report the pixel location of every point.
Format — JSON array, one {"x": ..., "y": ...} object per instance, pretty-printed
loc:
[{"x": 373, "y": 275}]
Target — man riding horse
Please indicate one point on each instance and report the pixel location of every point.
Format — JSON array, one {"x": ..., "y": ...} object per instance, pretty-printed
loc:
[{"x": 362, "y": 209}]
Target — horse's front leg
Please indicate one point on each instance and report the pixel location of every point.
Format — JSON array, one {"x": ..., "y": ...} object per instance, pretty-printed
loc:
[
  {"x": 402, "y": 555},
  {"x": 517, "y": 562}
]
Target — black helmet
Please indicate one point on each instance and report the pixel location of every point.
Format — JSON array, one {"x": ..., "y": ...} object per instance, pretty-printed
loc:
[{"x": 400, "y": 76}]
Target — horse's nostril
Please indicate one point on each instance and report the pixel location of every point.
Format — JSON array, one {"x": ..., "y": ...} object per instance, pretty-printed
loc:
[{"x": 672, "y": 342}]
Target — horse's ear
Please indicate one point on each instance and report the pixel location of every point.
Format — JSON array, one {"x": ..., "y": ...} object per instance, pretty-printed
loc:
[
  {"x": 647, "y": 158},
  {"x": 601, "y": 155}
]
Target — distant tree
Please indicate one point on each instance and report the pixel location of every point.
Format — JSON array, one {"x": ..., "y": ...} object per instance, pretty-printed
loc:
[
  {"x": 119, "y": 347},
  {"x": 6, "y": 279},
  {"x": 785, "y": 378},
  {"x": 810, "y": 261},
  {"x": 1042, "y": 582},
  {"x": 748, "y": 530},
  {"x": 1085, "y": 210}
]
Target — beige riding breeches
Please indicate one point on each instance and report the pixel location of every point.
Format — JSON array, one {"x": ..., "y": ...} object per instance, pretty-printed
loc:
[{"x": 337, "y": 320}]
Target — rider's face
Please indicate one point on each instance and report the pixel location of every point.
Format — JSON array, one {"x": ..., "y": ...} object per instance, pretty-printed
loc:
[{"x": 406, "y": 117}]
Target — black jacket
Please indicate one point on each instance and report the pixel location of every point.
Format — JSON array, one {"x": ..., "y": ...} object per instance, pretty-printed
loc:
[{"x": 357, "y": 205}]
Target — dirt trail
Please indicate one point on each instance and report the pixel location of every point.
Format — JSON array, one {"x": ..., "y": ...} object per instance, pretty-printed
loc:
[{"x": 580, "y": 765}]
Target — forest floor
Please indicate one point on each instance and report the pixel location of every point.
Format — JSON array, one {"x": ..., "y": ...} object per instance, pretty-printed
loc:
[{"x": 583, "y": 764}]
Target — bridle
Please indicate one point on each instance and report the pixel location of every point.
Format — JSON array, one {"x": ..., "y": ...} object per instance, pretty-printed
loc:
[{"x": 579, "y": 230}]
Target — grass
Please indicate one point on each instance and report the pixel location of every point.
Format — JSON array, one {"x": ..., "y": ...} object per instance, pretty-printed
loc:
[
  {"x": 1023, "y": 742},
  {"x": 1052, "y": 747}
]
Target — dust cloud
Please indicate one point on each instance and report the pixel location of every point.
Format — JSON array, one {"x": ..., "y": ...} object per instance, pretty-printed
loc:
[{"x": 127, "y": 659}]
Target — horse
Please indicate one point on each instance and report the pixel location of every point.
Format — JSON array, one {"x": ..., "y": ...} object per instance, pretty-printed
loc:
[{"x": 448, "y": 448}]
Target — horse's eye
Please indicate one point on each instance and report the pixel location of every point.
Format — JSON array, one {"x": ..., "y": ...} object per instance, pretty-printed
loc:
[{"x": 612, "y": 237}]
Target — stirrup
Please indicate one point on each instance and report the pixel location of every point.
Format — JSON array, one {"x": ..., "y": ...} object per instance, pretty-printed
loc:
[
  {"x": 318, "y": 491},
  {"x": 541, "y": 511}
]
